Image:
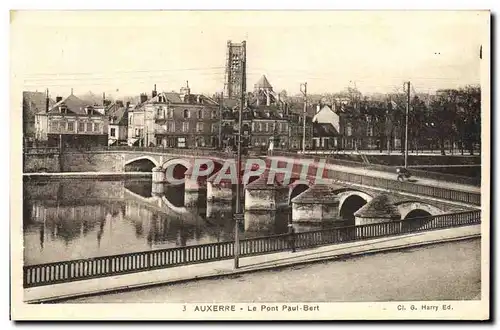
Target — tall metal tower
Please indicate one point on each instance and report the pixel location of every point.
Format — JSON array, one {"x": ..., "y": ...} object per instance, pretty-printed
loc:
[{"x": 235, "y": 72}]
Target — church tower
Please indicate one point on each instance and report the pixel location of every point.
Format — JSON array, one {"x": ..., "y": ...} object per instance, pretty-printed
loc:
[{"x": 235, "y": 69}]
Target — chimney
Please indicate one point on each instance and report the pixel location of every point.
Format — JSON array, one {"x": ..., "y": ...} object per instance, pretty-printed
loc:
[
  {"x": 144, "y": 97},
  {"x": 185, "y": 91},
  {"x": 154, "y": 92},
  {"x": 47, "y": 101},
  {"x": 58, "y": 99},
  {"x": 103, "y": 98}
]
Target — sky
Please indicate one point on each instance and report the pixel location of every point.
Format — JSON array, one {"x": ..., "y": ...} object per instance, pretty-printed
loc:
[{"x": 125, "y": 53}]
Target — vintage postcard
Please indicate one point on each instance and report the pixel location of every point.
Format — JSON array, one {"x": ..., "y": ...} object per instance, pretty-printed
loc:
[{"x": 250, "y": 165}]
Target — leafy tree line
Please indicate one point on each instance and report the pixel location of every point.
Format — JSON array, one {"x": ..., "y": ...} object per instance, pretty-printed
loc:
[{"x": 451, "y": 117}]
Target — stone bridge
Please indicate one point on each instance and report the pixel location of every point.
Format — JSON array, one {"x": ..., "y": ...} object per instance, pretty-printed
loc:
[
  {"x": 309, "y": 199},
  {"x": 342, "y": 201}
]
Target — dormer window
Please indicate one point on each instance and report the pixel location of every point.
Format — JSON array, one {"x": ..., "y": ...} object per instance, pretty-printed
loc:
[
  {"x": 268, "y": 114},
  {"x": 63, "y": 109},
  {"x": 89, "y": 110},
  {"x": 159, "y": 111}
]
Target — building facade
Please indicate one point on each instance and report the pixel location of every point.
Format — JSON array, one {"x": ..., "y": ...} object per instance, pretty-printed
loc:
[
  {"x": 175, "y": 120},
  {"x": 267, "y": 120},
  {"x": 71, "y": 122},
  {"x": 117, "y": 124}
]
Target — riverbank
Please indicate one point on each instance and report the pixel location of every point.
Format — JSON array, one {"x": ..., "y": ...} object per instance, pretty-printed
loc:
[
  {"x": 90, "y": 175},
  {"x": 60, "y": 292}
]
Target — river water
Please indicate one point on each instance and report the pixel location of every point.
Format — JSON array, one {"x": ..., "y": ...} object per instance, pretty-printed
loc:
[{"x": 67, "y": 219}]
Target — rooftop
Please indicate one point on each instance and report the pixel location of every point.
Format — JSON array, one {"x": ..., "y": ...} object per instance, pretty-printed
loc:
[
  {"x": 263, "y": 83},
  {"x": 319, "y": 194},
  {"x": 379, "y": 207},
  {"x": 73, "y": 105}
]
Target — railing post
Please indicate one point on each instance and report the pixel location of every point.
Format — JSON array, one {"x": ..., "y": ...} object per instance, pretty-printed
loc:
[{"x": 291, "y": 237}]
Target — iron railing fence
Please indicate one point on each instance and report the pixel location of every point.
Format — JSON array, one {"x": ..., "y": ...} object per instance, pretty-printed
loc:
[{"x": 82, "y": 269}]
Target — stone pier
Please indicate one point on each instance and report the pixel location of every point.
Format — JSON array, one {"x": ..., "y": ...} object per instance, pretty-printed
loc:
[
  {"x": 317, "y": 204},
  {"x": 263, "y": 201},
  {"x": 157, "y": 188},
  {"x": 219, "y": 192},
  {"x": 158, "y": 175},
  {"x": 378, "y": 210},
  {"x": 192, "y": 188}
]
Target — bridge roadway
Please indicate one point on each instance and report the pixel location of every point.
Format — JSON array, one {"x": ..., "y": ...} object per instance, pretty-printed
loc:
[
  {"x": 390, "y": 176},
  {"x": 162, "y": 158}
]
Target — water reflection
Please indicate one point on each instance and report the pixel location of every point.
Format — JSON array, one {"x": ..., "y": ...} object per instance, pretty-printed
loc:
[{"x": 71, "y": 219}]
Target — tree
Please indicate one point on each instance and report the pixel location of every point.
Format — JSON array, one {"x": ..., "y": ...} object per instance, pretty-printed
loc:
[
  {"x": 443, "y": 115},
  {"x": 416, "y": 122},
  {"x": 468, "y": 119}
]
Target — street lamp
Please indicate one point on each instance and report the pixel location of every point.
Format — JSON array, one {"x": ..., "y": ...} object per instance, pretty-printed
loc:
[{"x": 238, "y": 215}]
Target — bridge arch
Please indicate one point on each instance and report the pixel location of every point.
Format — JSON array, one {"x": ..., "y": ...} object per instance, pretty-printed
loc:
[
  {"x": 350, "y": 201},
  {"x": 180, "y": 167},
  {"x": 141, "y": 162},
  {"x": 297, "y": 188},
  {"x": 413, "y": 209}
]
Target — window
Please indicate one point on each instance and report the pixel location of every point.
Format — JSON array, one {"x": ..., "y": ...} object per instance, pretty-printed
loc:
[
  {"x": 214, "y": 114},
  {"x": 159, "y": 112},
  {"x": 186, "y": 113},
  {"x": 181, "y": 142},
  {"x": 260, "y": 127},
  {"x": 171, "y": 126},
  {"x": 54, "y": 125},
  {"x": 200, "y": 142},
  {"x": 81, "y": 127},
  {"x": 267, "y": 127},
  {"x": 200, "y": 114},
  {"x": 89, "y": 127},
  {"x": 170, "y": 113},
  {"x": 215, "y": 128},
  {"x": 62, "y": 126},
  {"x": 349, "y": 130},
  {"x": 137, "y": 132},
  {"x": 71, "y": 126},
  {"x": 246, "y": 129},
  {"x": 97, "y": 127},
  {"x": 199, "y": 127},
  {"x": 112, "y": 132},
  {"x": 185, "y": 127},
  {"x": 369, "y": 131}
]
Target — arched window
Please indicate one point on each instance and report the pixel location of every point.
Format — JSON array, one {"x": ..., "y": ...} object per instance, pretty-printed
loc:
[
  {"x": 200, "y": 114},
  {"x": 186, "y": 113}
]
